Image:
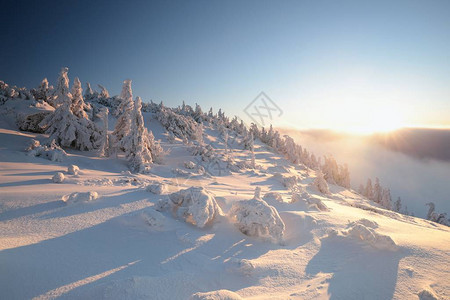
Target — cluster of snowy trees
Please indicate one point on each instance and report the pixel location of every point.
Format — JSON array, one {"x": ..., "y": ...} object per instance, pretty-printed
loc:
[
  {"x": 79, "y": 125},
  {"x": 440, "y": 218},
  {"x": 13, "y": 92},
  {"x": 380, "y": 195}
]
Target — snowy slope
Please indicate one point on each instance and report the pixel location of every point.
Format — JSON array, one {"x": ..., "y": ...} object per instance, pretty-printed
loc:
[{"x": 123, "y": 246}]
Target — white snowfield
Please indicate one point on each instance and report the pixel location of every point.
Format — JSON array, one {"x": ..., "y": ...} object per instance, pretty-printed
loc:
[{"x": 100, "y": 233}]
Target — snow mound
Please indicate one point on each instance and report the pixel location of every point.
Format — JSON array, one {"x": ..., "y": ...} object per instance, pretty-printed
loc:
[
  {"x": 80, "y": 197},
  {"x": 256, "y": 218},
  {"x": 189, "y": 165},
  {"x": 365, "y": 222},
  {"x": 73, "y": 170},
  {"x": 58, "y": 177},
  {"x": 153, "y": 218},
  {"x": 216, "y": 295},
  {"x": 427, "y": 295},
  {"x": 195, "y": 205},
  {"x": 287, "y": 181},
  {"x": 52, "y": 152},
  {"x": 273, "y": 196},
  {"x": 312, "y": 202},
  {"x": 371, "y": 237},
  {"x": 157, "y": 188}
]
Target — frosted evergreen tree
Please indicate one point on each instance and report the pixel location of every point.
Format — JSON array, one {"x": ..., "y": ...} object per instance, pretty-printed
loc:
[
  {"x": 377, "y": 191},
  {"x": 320, "y": 183},
  {"x": 368, "y": 192},
  {"x": 398, "y": 205},
  {"x": 104, "y": 148},
  {"x": 141, "y": 149},
  {"x": 42, "y": 93},
  {"x": 252, "y": 151},
  {"x": 89, "y": 93},
  {"x": 386, "y": 200},
  {"x": 430, "y": 210},
  {"x": 125, "y": 111},
  {"x": 67, "y": 129},
  {"x": 104, "y": 94},
  {"x": 77, "y": 105},
  {"x": 62, "y": 94},
  {"x": 361, "y": 189}
]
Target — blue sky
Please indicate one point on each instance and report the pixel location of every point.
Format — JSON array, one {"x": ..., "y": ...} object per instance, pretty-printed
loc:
[{"x": 346, "y": 65}]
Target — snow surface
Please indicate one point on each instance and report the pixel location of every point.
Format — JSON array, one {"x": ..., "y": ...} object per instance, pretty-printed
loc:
[{"x": 120, "y": 247}]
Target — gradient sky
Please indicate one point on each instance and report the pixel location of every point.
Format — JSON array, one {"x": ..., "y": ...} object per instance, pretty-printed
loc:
[{"x": 337, "y": 64}]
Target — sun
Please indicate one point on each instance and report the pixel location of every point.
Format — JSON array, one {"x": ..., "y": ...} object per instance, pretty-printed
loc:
[{"x": 367, "y": 118}]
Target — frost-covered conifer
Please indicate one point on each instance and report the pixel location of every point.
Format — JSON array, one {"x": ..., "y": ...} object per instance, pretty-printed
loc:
[
  {"x": 89, "y": 93},
  {"x": 368, "y": 192},
  {"x": 77, "y": 105},
  {"x": 104, "y": 94},
  {"x": 62, "y": 95},
  {"x": 377, "y": 191},
  {"x": 104, "y": 148},
  {"x": 42, "y": 93},
  {"x": 320, "y": 183},
  {"x": 125, "y": 111},
  {"x": 67, "y": 129},
  {"x": 386, "y": 200},
  {"x": 398, "y": 205}
]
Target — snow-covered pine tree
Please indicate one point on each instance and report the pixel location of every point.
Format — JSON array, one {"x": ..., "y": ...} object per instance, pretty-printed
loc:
[
  {"x": 398, "y": 205},
  {"x": 141, "y": 149},
  {"x": 104, "y": 94},
  {"x": 125, "y": 111},
  {"x": 67, "y": 129},
  {"x": 377, "y": 191},
  {"x": 386, "y": 200},
  {"x": 62, "y": 95},
  {"x": 77, "y": 105},
  {"x": 320, "y": 183},
  {"x": 89, "y": 93},
  {"x": 104, "y": 148},
  {"x": 368, "y": 192},
  {"x": 42, "y": 93}
]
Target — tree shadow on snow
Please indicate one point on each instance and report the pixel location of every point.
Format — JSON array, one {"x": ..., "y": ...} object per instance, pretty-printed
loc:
[
  {"x": 72, "y": 209},
  {"x": 30, "y": 210},
  {"x": 359, "y": 272}
]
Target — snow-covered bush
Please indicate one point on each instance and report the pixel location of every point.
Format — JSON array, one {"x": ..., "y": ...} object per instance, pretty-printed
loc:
[
  {"x": 181, "y": 126},
  {"x": 256, "y": 218},
  {"x": 286, "y": 180},
  {"x": 73, "y": 170},
  {"x": 58, "y": 177},
  {"x": 157, "y": 188},
  {"x": 189, "y": 165},
  {"x": 195, "y": 205},
  {"x": 270, "y": 196},
  {"x": 80, "y": 197},
  {"x": 30, "y": 122},
  {"x": 52, "y": 152},
  {"x": 320, "y": 183}
]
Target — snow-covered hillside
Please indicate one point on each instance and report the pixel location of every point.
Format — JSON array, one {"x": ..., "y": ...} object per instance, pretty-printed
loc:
[{"x": 220, "y": 215}]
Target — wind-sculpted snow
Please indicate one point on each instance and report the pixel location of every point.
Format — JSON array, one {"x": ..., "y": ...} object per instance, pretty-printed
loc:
[
  {"x": 313, "y": 202},
  {"x": 195, "y": 205},
  {"x": 288, "y": 181},
  {"x": 80, "y": 197},
  {"x": 256, "y": 218},
  {"x": 273, "y": 196},
  {"x": 216, "y": 295},
  {"x": 364, "y": 231}
]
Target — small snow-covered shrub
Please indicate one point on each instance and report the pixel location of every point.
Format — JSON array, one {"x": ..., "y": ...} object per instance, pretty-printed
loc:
[
  {"x": 256, "y": 218},
  {"x": 195, "y": 205},
  {"x": 321, "y": 184},
  {"x": 157, "y": 188},
  {"x": 368, "y": 235},
  {"x": 73, "y": 170},
  {"x": 153, "y": 218},
  {"x": 216, "y": 295},
  {"x": 80, "y": 197},
  {"x": 189, "y": 165},
  {"x": 52, "y": 152},
  {"x": 287, "y": 181},
  {"x": 58, "y": 177},
  {"x": 273, "y": 196},
  {"x": 31, "y": 122}
]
